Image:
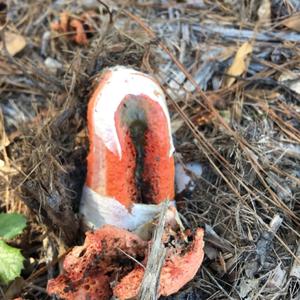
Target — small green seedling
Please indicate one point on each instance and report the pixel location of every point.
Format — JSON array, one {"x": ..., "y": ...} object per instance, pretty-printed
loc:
[{"x": 11, "y": 259}]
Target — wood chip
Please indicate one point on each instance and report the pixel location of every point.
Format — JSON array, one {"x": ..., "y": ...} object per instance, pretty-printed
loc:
[
  {"x": 4, "y": 140},
  {"x": 295, "y": 271}
]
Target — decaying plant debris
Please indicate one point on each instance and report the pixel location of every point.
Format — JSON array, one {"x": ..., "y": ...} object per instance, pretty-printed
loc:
[{"x": 245, "y": 134}]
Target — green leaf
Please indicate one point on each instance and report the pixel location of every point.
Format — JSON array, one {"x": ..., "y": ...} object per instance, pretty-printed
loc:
[
  {"x": 11, "y": 225},
  {"x": 11, "y": 262}
]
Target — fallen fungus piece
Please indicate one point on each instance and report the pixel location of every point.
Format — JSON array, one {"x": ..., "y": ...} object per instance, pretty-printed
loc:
[
  {"x": 76, "y": 29},
  {"x": 130, "y": 166},
  {"x": 80, "y": 37},
  {"x": 106, "y": 254},
  {"x": 179, "y": 268},
  {"x": 92, "y": 287},
  {"x": 106, "y": 242},
  {"x": 109, "y": 258}
]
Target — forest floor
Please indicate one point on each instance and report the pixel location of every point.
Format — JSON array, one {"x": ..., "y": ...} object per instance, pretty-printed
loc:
[{"x": 231, "y": 73}]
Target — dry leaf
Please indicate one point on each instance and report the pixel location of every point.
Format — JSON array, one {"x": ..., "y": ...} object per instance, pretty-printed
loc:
[
  {"x": 239, "y": 65},
  {"x": 14, "y": 43},
  {"x": 6, "y": 169},
  {"x": 292, "y": 22},
  {"x": 264, "y": 12},
  {"x": 4, "y": 141}
]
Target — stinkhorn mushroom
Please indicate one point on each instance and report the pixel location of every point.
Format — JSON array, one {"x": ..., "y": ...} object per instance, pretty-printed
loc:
[
  {"x": 130, "y": 167},
  {"x": 130, "y": 173}
]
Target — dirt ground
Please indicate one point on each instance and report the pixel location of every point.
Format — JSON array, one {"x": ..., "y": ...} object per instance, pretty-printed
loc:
[{"x": 231, "y": 73}]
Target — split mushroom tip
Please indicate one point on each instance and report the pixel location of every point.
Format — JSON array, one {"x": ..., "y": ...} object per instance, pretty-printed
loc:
[{"x": 129, "y": 129}]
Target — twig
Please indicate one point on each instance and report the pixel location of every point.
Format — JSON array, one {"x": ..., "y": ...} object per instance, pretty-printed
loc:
[
  {"x": 108, "y": 10},
  {"x": 150, "y": 283},
  {"x": 131, "y": 257},
  {"x": 246, "y": 34}
]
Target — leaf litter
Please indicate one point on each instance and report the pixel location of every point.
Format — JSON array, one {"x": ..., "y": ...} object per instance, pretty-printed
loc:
[{"x": 242, "y": 129}]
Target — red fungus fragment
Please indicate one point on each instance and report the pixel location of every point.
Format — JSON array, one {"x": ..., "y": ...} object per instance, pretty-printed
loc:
[
  {"x": 180, "y": 267},
  {"x": 109, "y": 255},
  {"x": 129, "y": 286},
  {"x": 89, "y": 269},
  {"x": 75, "y": 28},
  {"x": 93, "y": 287},
  {"x": 80, "y": 37}
]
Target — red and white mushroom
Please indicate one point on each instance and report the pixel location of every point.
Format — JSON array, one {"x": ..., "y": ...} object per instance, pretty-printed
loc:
[
  {"x": 130, "y": 173},
  {"x": 130, "y": 167}
]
